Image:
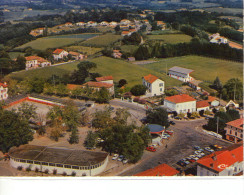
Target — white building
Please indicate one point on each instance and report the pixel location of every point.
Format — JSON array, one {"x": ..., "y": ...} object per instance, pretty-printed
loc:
[
  {"x": 155, "y": 86},
  {"x": 113, "y": 24},
  {"x": 33, "y": 62},
  {"x": 80, "y": 24},
  {"x": 202, "y": 105},
  {"x": 59, "y": 54},
  {"x": 180, "y": 103},
  {"x": 91, "y": 24},
  {"x": 105, "y": 79},
  {"x": 104, "y": 23},
  {"x": 63, "y": 161},
  {"x": 3, "y": 91},
  {"x": 228, "y": 162},
  {"x": 216, "y": 38},
  {"x": 125, "y": 22},
  {"x": 182, "y": 74}
]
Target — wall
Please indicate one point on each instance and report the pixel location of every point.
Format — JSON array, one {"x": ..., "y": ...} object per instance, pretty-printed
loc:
[{"x": 181, "y": 107}]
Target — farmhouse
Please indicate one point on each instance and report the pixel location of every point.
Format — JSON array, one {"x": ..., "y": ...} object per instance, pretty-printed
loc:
[
  {"x": 80, "y": 24},
  {"x": 202, "y": 105},
  {"x": 116, "y": 54},
  {"x": 37, "y": 32},
  {"x": 91, "y": 24},
  {"x": 59, "y": 54},
  {"x": 124, "y": 33},
  {"x": 68, "y": 24},
  {"x": 98, "y": 85},
  {"x": 180, "y": 103},
  {"x": 104, "y": 23},
  {"x": 80, "y": 162},
  {"x": 160, "y": 170},
  {"x": 232, "y": 105},
  {"x": 182, "y": 74},
  {"x": 113, "y": 24},
  {"x": 216, "y": 38},
  {"x": 155, "y": 86},
  {"x": 33, "y": 62},
  {"x": 234, "y": 130},
  {"x": 3, "y": 91},
  {"x": 77, "y": 56},
  {"x": 105, "y": 79},
  {"x": 228, "y": 162}
]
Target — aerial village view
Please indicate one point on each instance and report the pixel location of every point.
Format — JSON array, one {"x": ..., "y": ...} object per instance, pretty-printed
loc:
[{"x": 121, "y": 88}]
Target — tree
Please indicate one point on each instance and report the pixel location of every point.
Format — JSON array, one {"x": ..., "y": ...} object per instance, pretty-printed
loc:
[
  {"x": 171, "y": 92},
  {"x": 122, "y": 82},
  {"x": 27, "y": 111},
  {"x": 103, "y": 95},
  {"x": 13, "y": 130},
  {"x": 233, "y": 89},
  {"x": 85, "y": 117},
  {"x": 121, "y": 116},
  {"x": 217, "y": 84},
  {"x": 234, "y": 114},
  {"x": 142, "y": 53},
  {"x": 21, "y": 63},
  {"x": 144, "y": 133},
  {"x": 61, "y": 90},
  {"x": 102, "y": 119},
  {"x": 158, "y": 116},
  {"x": 90, "y": 140},
  {"x": 138, "y": 90},
  {"x": 74, "y": 138}
]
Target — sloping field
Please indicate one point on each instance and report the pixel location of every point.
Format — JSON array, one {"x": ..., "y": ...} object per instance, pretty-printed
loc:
[
  {"x": 205, "y": 69},
  {"x": 83, "y": 49},
  {"x": 56, "y": 41},
  {"x": 106, "y": 66},
  {"x": 14, "y": 55},
  {"x": 171, "y": 38},
  {"x": 102, "y": 41}
]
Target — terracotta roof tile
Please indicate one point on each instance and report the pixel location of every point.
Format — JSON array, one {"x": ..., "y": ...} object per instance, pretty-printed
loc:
[
  {"x": 98, "y": 84},
  {"x": 4, "y": 85},
  {"x": 238, "y": 123},
  {"x": 58, "y": 51},
  {"x": 160, "y": 170},
  {"x": 180, "y": 98},
  {"x": 211, "y": 98},
  {"x": 40, "y": 59},
  {"x": 105, "y": 78},
  {"x": 150, "y": 78},
  {"x": 202, "y": 104}
]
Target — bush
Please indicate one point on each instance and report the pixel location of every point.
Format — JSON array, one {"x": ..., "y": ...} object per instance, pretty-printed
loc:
[
  {"x": 138, "y": 90},
  {"x": 127, "y": 95},
  {"x": 19, "y": 168},
  {"x": 142, "y": 101},
  {"x": 136, "y": 99},
  {"x": 36, "y": 170},
  {"x": 73, "y": 174},
  {"x": 28, "y": 169},
  {"x": 54, "y": 171},
  {"x": 46, "y": 171}
]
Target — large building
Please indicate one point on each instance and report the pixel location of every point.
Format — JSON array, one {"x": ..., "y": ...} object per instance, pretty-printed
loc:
[
  {"x": 228, "y": 162},
  {"x": 182, "y": 74},
  {"x": 64, "y": 161},
  {"x": 234, "y": 130},
  {"x": 3, "y": 91},
  {"x": 33, "y": 62},
  {"x": 155, "y": 86},
  {"x": 160, "y": 170},
  {"x": 180, "y": 103}
]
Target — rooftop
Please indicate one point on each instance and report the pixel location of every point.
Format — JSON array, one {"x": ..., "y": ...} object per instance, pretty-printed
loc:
[
  {"x": 105, "y": 78},
  {"x": 160, "y": 170},
  {"x": 202, "y": 104},
  {"x": 180, "y": 98},
  {"x": 58, "y": 51},
  {"x": 238, "y": 123},
  {"x": 3, "y": 85},
  {"x": 150, "y": 78},
  {"x": 154, "y": 128},
  {"x": 181, "y": 70},
  {"x": 98, "y": 84},
  {"x": 57, "y": 155},
  {"x": 40, "y": 59}
]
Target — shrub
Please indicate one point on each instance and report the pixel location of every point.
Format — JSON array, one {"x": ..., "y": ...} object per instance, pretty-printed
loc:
[
  {"x": 46, "y": 171},
  {"x": 73, "y": 174},
  {"x": 36, "y": 169},
  {"x": 142, "y": 101},
  {"x": 64, "y": 173},
  {"x": 19, "y": 168},
  {"x": 54, "y": 171},
  {"x": 138, "y": 90},
  {"x": 28, "y": 169}
]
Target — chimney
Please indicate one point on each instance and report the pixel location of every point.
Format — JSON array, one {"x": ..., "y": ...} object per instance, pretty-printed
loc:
[{"x": 211, "y": 165}]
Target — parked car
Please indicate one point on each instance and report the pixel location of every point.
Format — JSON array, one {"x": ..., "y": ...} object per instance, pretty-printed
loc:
[
  {"x": 125, "y": 161},
  {"x": 171, "y": 122},
  {"x": 181, "y": 163},
  {"x": 177, "y": 118},
  {"x": 195, "y": 158},
  {"x": 196, "y": 147},
  {"x": 115, "y": 156},
  {"x": 151, "y": 149},
  {"x": 209, "y": 149},
  {"x": 121, "y": 157},
  {"x": 186, "y": 162},
  {"x": 186, "y": 118}
]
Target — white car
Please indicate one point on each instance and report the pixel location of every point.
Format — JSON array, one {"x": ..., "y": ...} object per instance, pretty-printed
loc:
[
  {"x": 192, "y": 156},
  {"x": 195, "y": 158},
  {"x": 125, "y": 161},
  {"x": 154, "y": 145},
  {"x": 121, "y": 157},
  {"x": 209, "y": 149},
  {"x": 115, "y": 156}
]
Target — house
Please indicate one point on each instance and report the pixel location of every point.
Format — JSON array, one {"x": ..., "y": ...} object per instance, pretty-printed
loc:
[
  {"x": 113, "y": 24},
  {"x": 3, "y": 91},
  {"x": 146, "y": 21},
  {"x": 98, "y": 85},
  {"x": 143, "y": 15},
  {"x": 116, "y": 54},
  {"x": 202, "y": 105},
  {"x": 180, "y": 103},
  {"x": 155, "y": 86},
  {"x": 156, "y": 131},
  {"x": 161, "y": 24},
  {"x": 182, "y": 74},
  {"x": 232, "y": 105},
  {"x": 160, "y": 170},
  {"x": 213, "y": 101},
  {"x": 68, "y": 24},
  {"x": 104, "y": 23},
  {"x": 195, "y": 84},
  {"x": 91, "y": 24},
  {"x": 37, "y": 32},
  {"x": 234, "y": 130},
  {"x": 228, "y": 162},
  {"x": 124, "y": 27},
  {"x": 76, "y": 55},
  {"x": 33, "y": 62},
  {"x": 59, "y": 54},
  {"x": 216, "y": 38},
  {"x": 124, "y": 33},
  {"x": 105, "y": 79},
  {"x": 132, "y": 30},
  {"x": 125, "y": 22},
  {"x": 80, "y": 24}
]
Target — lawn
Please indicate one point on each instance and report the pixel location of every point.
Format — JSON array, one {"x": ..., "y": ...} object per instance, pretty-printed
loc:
[
  {"x": 106, "y": 66},
  {"x": 102, "y": 41},
  {"x": 205, "y": 68},
  {"x": 56, "y": 41},
  {"x": 83, "y": 49},
  {"x": 163, "y": 32},
  {"x": 171, "y": 38}
]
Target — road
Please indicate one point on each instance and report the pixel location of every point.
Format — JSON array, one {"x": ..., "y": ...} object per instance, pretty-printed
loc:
[
  {"x": 131, "y": 106},
  {"x": 186, "y": 135},
  {"x": 235, "y": 45}
]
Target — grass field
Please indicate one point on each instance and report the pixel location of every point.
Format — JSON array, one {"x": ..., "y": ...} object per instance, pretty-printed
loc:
[
  {"x": 101, "y": 41},
  {"x": 106, "y": 66},
  {"x": 56, "y": 41},
  {"x": 204, "y": 68},
  {"x": 225, "y": 10},
  {"x": 14, "y": 55},
  {"x": 163, "y": 32},
  {"x": 129, "y": 48},
  {"x": 83, "y": 49},
  {"x": 171, "y": 38}
]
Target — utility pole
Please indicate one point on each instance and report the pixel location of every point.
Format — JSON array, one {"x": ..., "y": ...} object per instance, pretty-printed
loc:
[
  {"x": 166, "y": 69},
  {"x": 217, "y": 125},
  {"x": 235, "y": 92}
]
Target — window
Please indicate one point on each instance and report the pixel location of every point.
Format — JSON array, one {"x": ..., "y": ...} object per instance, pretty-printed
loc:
[
  {"x": 67, "y": 166},
  {"x": 44, "y": 163},
  {"x": 235, "y": 169},
  {"x": 52, "y": 164},
  {"x": 30, "y": 161},
  {"x": 161, "y": 89},
  {"x": 230, "y": 132},
  {"x": 75, "y": 167},
  {"x": 59, "y": 165},
  {"x": 37, "y": 163},
  {"x": 235, "y": 133},
  {"x": 161, "y": 85}
]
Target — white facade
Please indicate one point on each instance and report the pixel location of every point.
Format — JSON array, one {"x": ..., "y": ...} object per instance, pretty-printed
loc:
[
  {"x": 183, "y": 107},
  {"x": 155, "y": 88},
  {"x": 61, "y": 55},
  {"x": 80, "y": 24},
  {"x": 33, "y": 63},
  {"x": 60, "y": 168},
  {"x": 203, "y": 108},
  {"x": 3, "y": 92},
  {"x": 181, "y": 74}
]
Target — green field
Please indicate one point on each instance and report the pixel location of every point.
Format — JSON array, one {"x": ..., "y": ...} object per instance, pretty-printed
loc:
[
  {"x": 205, "y": 69},
  {"x": 106, "y": 66},
  {"x": 14, "y": 55},
  {"x": 56, "y": 41},
  {"x": 83, "y": 49},
  {"x": 225, "y": 10},
  {"x": 102, "y": 41},
  {"x": 171, "y": 38},
  {"x": 163, "y": 32},
  {"x": 129, "y": 48}
]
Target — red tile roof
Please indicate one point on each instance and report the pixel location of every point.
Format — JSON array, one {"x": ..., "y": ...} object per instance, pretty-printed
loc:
[
  {"x": 150, "y": 78},
  {"x": 160, "y": 170},
  {"x": 125, "y": 32},
  {"x": 238, "y": 123},
  {"x": 211, "y": 98},
  {"x": 4, "y": 85},
  {"x": 202, "y": 104},
  {"x": 40, "y": 59},
  {"x": 72, "y": 86},
  {"x": 220, "y": 160},
  {"x": 105, "y": 78},
  {"x": 74, "y": 53},
  {"x": 98, "y": 84},
  {"x": 180, "y": 98},
  {"x": 58, "y": 51}
]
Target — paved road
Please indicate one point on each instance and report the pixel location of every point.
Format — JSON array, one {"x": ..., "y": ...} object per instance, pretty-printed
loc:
[
  {"x": 128, "y": 105},
  {"x": 187, "y": 134}
]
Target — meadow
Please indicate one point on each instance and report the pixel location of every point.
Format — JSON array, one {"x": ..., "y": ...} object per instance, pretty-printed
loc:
[
  {"x": 82, "y": 49},
  {"x": 14, "y": 55},
  {"x": 119, "y": 69},
  {"x": 171, "y": 38},
  {"x": 225, "y": 10},
  {"x": 102, "y": 41},
  {"x": 205, "y": 69},
  {"x": 129, "y": 48},
  {"x": 57, "y": 41}
]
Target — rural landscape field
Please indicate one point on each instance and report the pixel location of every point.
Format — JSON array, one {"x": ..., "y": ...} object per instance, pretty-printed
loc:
[{"x": 171, "y": 38}]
